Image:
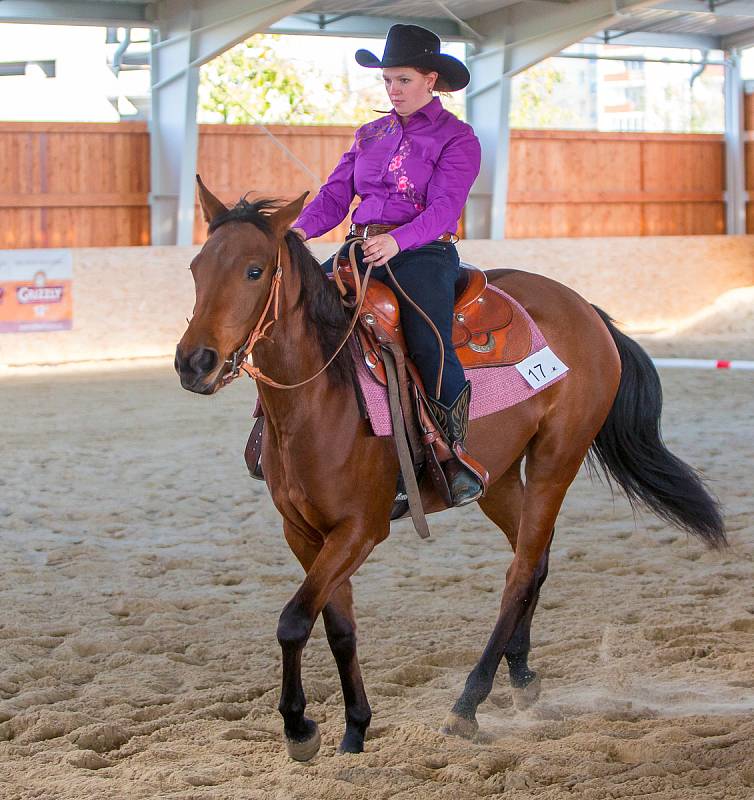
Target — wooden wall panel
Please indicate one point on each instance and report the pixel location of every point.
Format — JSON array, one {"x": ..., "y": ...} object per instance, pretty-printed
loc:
[
  {"x": 576, "y": 183},
  {"x": 234, "y": 160},
  {"x": 546, "y": 220},
  {"x": 675, "y": 219},
  {"x": 86, "y": 184},
  {"x": 73, "y": 184}
]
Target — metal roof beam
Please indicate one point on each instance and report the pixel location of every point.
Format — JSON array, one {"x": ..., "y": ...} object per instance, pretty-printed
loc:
[
  {"x": 357, "y": 25},
  {"x": 738, "y": 40},
  {"x": 536, "y": 30},
  {"x": 87, "y": 12},
  {"x": 690, "y": 41},
  {"x": 727, "y": 8}
]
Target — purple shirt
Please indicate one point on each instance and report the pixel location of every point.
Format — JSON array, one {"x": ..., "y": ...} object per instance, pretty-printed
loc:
[{"x": 416, "y": 176}]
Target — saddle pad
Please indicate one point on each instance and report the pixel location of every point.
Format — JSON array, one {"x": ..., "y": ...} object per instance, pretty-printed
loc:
[{"x": 493, "y": 389}]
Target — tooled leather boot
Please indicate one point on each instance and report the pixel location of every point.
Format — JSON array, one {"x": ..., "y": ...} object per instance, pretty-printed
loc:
[{"x": 466, "y": 479}]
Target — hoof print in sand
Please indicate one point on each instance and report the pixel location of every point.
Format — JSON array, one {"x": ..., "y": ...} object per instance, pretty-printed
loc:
[{"x": 88, "y": 759}]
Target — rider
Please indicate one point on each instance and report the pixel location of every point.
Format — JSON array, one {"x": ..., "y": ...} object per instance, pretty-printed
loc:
[{"x": 413, "y": 169}]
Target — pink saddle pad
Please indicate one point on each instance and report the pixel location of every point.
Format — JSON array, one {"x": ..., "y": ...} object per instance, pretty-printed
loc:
[{"x": 492, "y": 388}]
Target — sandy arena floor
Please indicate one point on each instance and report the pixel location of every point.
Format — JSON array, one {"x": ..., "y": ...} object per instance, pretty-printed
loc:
[{"x": 144, "y": 573}]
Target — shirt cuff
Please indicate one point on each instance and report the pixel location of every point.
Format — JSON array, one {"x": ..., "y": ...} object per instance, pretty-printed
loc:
[
  {"x": 307, "y": 228},
  {"x": 404, "y": 237}
]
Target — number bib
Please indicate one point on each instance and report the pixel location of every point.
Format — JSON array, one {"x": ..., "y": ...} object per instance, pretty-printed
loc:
[{"x": 541, "y": 368}]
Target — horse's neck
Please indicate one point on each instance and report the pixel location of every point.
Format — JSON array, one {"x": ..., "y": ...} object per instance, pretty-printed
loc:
[{"x": 293, "y": 354}]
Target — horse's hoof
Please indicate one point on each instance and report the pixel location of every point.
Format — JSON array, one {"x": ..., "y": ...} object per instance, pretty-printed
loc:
[
  {"x": 306, "y": 749},
  {"x": 349, "y": 749},
  {"x": 456, "y": 725},
  {"x": 528, "y": 695},
  {"x": 352, "y": 743}
]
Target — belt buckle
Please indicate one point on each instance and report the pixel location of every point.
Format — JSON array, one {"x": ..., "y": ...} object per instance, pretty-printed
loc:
[{"x": 366, "y": 231}]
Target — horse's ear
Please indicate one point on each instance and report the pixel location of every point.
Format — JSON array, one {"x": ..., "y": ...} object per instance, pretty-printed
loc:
[
  {"x": 282, "y": 219},
  {"x": 211, "y": 206}
]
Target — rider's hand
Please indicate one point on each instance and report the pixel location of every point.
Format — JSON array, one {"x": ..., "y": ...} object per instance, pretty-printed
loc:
[
  {"x": 379, "y": 249},
  {"x": 300, "y": 232}
]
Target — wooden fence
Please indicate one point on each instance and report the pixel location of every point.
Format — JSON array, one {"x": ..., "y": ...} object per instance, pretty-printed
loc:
[
  {"x": 86, "y": 184},
  {"x": 576, "y": 183},
  {"x": 749, "y": 146},
  {"x": 73, "y": 184}
]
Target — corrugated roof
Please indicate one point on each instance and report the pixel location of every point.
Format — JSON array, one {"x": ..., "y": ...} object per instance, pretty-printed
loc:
[{"x": 724, "y": 23}]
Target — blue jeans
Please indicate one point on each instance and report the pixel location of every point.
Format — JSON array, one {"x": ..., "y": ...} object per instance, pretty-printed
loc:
[{"x": 428, "y": 275}]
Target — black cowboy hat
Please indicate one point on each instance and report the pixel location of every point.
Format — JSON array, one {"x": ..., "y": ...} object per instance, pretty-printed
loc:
[{"x": 412, "y": 46}]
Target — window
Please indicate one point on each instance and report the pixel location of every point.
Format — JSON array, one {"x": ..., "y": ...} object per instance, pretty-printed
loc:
[{"x": 635, "y": 96}]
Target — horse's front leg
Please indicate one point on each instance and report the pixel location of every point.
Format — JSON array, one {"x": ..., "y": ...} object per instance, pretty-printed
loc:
[
  {"x": 340, "y": 625},
  {"x": 345, "y": 548}
]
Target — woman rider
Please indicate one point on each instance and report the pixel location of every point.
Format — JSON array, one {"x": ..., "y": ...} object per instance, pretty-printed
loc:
[{"x": 413, "y": 170}]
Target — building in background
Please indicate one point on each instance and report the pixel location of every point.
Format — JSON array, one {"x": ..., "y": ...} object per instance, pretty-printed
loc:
[
  {"x": 72, "y": 73},
  {"x": 643, "y": 95}
]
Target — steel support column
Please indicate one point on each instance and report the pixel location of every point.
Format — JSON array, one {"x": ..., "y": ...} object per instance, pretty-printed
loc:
[
  {"x": 187, "y": 36},
  {"x": 735, "y": 177},
  {"x": 487, "y": 109}
]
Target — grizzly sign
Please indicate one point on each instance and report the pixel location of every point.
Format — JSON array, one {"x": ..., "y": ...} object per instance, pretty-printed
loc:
[{"x": 36, "y": 290}]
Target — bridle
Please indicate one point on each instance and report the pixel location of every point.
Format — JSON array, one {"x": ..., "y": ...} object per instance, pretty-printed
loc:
[{"x": 239, "y": 360}]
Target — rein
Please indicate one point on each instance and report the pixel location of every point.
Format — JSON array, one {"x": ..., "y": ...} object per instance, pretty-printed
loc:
[{"x": 239, "y": 361}]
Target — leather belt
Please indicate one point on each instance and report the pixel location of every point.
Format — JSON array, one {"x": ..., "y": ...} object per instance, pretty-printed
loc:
[{"x": 373, "y": 229}]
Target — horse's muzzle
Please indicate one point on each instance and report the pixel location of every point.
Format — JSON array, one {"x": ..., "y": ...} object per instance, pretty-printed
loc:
[{"x": 194, "y": 368}]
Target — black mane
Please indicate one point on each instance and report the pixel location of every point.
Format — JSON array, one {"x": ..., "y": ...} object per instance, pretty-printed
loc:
[{"x": 320, "y": 299}]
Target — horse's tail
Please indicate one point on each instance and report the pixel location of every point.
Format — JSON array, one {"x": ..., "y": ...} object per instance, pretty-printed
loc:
[{"x": 630, "y": 449}]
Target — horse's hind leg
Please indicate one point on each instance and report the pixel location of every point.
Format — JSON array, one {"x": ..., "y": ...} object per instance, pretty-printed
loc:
[
  {"x": 502, "y": 505},
  {"x": 526, "y": 682},
  {"x": 341, "y": 634},
  {"x": 549, "y": 473}
]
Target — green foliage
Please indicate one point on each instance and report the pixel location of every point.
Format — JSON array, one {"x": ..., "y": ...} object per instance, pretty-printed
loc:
[
  {"x": 535, "y": 102},
  {"x": 250, "y": 84},
  {"x": 253, "y": 83}
]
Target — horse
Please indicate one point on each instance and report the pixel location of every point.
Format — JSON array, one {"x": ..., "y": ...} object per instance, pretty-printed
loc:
[{"x": 334, "y": 483}]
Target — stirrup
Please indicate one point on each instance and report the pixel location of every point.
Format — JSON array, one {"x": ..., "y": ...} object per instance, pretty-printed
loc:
[
  {"x": 465, "y": 485},
  {"x": 400, "y": 503}
]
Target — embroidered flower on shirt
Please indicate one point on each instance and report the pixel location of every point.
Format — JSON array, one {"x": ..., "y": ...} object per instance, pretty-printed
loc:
[{"x": 403, "y": 184}]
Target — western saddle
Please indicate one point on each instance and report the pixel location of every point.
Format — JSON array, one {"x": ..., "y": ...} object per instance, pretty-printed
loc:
[{"x": 488, "y": 331}]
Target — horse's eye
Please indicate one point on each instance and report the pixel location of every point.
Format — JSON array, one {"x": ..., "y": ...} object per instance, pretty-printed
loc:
[{"x": 253, "y": 273}]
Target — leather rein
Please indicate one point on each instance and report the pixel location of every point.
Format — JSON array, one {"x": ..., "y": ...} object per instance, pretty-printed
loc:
[{"x": 239, "y": 361}]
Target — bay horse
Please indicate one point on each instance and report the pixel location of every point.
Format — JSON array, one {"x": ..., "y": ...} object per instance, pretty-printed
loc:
[{"x": 334, "y": 483}]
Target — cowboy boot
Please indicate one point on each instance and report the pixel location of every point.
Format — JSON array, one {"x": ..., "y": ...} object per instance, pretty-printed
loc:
[{"x": 466, "y": 478}]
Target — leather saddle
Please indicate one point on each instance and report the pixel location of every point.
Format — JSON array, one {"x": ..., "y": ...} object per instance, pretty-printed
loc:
[{"x": 488, "y": 331}]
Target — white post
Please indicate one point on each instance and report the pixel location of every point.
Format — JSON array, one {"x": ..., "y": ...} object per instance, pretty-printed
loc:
[
  {"x": 173, "y": 134},
  {"x": 735, "y": 179},
  {"x": 487, "y": 109}
]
